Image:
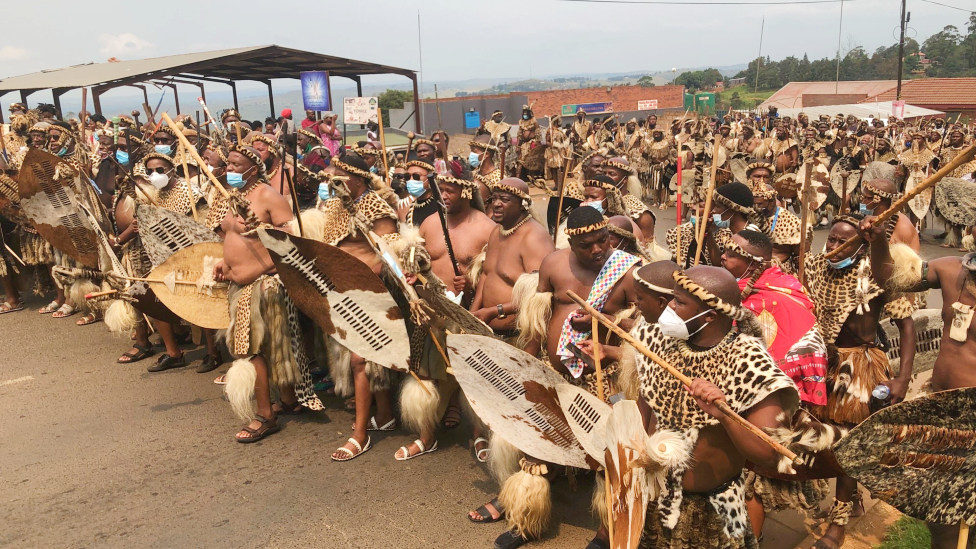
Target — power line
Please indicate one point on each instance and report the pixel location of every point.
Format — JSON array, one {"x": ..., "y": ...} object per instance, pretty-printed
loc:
[
  {"x": 684, "y": 3},
  {"x": 948, "y": 6}
]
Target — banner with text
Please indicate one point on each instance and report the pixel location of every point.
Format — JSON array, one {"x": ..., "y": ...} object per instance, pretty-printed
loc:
[
  {"x": 359, "y": 110},
  {"x": 647, "y": 105},
  {"x": 315, "y": 91},
  {"x": 589, "y": 108}
]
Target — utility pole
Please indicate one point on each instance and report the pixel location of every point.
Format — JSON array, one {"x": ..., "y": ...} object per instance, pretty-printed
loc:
[
  {"x": 762, "y": 31},
  {"x": 840, "y": 32},
  {"x": 901, "y": 50}
]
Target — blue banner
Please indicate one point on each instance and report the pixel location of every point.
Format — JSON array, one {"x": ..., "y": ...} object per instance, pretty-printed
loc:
[
  {"x": 472, "y": 120},
  {"x": 315, "y": 91}
]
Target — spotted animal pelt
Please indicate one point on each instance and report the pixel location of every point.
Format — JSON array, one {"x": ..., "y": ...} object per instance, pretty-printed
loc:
[
  {"x": 739, "y": 365},
  {"x": 836, "y": 293},
  {"x": 339, "y": 222},
  {"x": 722, "y": 237}
]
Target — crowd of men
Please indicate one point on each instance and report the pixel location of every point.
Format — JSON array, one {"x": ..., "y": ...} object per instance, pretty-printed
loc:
[{"x": 736, "y": 298}]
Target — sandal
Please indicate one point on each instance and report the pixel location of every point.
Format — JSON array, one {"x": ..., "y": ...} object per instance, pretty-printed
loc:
[
  {"x": 350, "y": 404},
  {"x": 221, "y": 379},
  {"x": 510, "y": 540},
  {"x": 64, "y": 311},
  {"x": 372, "y": 426},
  {"x": 295, "y": 409},
  {"x": 209, "y": 364},
  {"x": 167, "y": 362},
  {"x": 268, "y": 427},
  {"x": 349, "y": 454},
  {"x": 141, "y": 353},
  {"x": 406, "y": 451},
  {"x": 485, "y": 451},
  {"x": 486, "y": 517},
  {"x": 452, "y": 417},
  {"x": 820, "y": 544},
  {"x": 8, "y": 308},
  {"x": 90, "y": 318},
  {"x": 49, "y": 308},
  {"x": 597, "y": 543}
]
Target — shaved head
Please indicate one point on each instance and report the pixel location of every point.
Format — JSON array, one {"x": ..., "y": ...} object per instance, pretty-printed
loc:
[
  {"x": 622, "y": 222},
  {"x": 718, "y": 282},
  {"x": 884, "y": 185},
  {"x": 658, "y": 273}
]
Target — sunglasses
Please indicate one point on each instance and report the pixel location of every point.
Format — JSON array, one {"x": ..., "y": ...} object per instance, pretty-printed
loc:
[
  {"x": 161, "y": 141},
  {"x": 160, "y": 170},
  {"x": 416, "y": 176},
  {"x": 399, "y": 176}
]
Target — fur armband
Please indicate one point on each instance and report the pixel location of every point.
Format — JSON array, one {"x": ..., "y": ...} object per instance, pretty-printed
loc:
[
  {"x": 534, "y": 309},
  {"x": 906, "y": 270}
]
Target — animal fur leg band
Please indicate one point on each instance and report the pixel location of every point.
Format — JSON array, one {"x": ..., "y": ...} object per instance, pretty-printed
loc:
[
  {"x": 418, "y": 407},
  {"x": 503, "y": 458},
  {"x": 906, "y": 270},
  {"x": 240, "y": 388},
  {"x": 527, "y": 502}
]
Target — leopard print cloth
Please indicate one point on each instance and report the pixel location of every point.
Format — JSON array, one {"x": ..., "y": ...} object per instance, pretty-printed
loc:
[
  {"x": 836, "y": 293},
  {"x": 491, "y": 177},
  {"x": 589, "y": 382},
  {"x": 635, "y": 207},
  {"x": 339, "y": 223},
  {"x": 722, "y": 237},
  {"x": 742, "y": 368},
  {"x": 176, "y": 199}
]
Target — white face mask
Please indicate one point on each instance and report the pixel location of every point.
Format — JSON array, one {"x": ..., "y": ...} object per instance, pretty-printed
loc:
[
  {"x": 673, "y": 326},
  {"x": 158, "y": 180}
]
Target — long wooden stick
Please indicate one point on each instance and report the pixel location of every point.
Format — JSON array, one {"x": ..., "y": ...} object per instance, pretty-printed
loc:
[
  {"x": 701, "y": 231},
  {"x": 562, "y": 194},
  {"x": 963, "y": 535},
  {"x": 804, "y": 216},
  {"x": 677, "y": 248},
  {"x": 186, "y": 177},
  {"x": 193, "y": 152},
  {"x": 721, "y": 405},
  {"x": 379, "y": 119},
  {"x": 601, "y": 393},
  {"x": 963, "y": 157}
]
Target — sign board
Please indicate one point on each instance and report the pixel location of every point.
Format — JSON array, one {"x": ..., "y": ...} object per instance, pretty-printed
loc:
[
  {"x": 315, "y": 91},
  {"x": 647, "y": 105},
  {"x": 590, "y": 108},
  {"x": 359, "y": 110},
  {"x": 898, "y": 109},
  {"x": 472, "y": 120}
]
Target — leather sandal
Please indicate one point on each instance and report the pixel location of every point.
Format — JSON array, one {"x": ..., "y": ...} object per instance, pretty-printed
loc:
[{"x": 268, "y": 427}]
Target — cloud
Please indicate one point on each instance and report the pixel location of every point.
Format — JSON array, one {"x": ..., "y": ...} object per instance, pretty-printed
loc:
[
  {"x": 12, "y": 53},
  {"x": 122, "y": 44}
]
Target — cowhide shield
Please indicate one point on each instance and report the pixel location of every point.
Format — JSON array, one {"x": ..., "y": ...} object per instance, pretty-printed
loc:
[
  {"x": 515, "y": 394},
  {"x": 837, "y": 182},
  {"x": 923, "y": 201},
  {"x": 919, "y": 456},
  {"x": 163, "y": 232},
  {"x": 52, "y": 208},
  {"x": 956, "y": 200},
  {"x": 343, "y": 296},
  {"x": 738, "y": 166},
  {"x": 878, "y": 170},
  {"x": 145, "y": 301},
  {"x": 628, "y": 494},
  {"x": 819, "y": 182},
  {"x": 451, "y": 315},
  {"x": 587, "y": 416},
  {"x": 928, "y": 340},
  {"x": 184, "y": 283},
  {"x": 10, "y": 201}
]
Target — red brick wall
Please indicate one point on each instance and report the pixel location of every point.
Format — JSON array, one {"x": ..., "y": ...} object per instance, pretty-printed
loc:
[{"x": 624, "y": 98}]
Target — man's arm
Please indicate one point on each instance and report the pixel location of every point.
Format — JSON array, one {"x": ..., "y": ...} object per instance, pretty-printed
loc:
[
  {"x": 279, "y": 211},
  {"x": 899, "y": 385},
  {"x": 882, "y": 266}
]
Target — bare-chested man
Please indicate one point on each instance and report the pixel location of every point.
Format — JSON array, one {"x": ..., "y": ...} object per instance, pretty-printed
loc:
[
  {"x": 589, "y": 267},
  {"x": 901, "y": 270},
  {"x": 248, "y": 267}
]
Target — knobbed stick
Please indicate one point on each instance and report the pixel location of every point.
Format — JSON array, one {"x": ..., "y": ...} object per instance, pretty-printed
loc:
[
  {"x": 721, "y": 405},
  {"x": 601, "y": 392},
  {"x": 193, "y": 152},
  {"x": 562, "y": 194},
  {"x": 960, "y": 159},
  {"x": 703, "y": 221}
]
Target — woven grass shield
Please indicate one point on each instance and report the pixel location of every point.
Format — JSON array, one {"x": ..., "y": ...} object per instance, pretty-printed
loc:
[
  {"x": 919, "y": 456},
  {"x": 52, "y": 208},
  {"x": 343, "y": 296},
  {"x": 184, "y": 283},
  {"x": 515, "y": 394},
  {"x": 928, "y": 340},
  {"x": 164, "y": 232}
]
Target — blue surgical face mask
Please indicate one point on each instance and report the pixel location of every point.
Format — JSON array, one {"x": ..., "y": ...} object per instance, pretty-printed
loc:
[
  {"x": 844, "y": 263},
  {"x": 122, "y": 157},
  {"x": 63, "y": 151},
  {"x": 719, "y": 222},
  {"x": 598, "y": 205},
  {"x": 693, "y": 219},
  {"x": 415, "y": 188},
  {"x": 863, "y": 208},
  {"x": 325, "y": 191},
  {"x": 373, "y": 170},
  {"x": 164, "y": 149},
  {"x": 474, "y": 159},
  {"x": 301, "y": 156},
  {"x": 525, "y": 117},
  {"x": 235, "y": 179}
]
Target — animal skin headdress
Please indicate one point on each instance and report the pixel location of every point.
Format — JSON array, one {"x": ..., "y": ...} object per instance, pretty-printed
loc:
[
  {"x": 593, "y": 227},
  {"x": 745, "y": 319}
]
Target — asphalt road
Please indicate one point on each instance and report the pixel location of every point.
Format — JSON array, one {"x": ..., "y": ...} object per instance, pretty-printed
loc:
[{"x": 97, "y": 454}]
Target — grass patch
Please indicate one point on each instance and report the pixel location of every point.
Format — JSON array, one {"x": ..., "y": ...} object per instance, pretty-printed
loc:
[
  {"x": 748, "y": 96},
  {"x": 907, "y": 533}
]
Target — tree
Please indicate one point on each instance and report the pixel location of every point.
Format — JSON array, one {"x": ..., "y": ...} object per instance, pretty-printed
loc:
[
  {"x": 646, "y": 82},
  {"x": 736, "y": 101},
  {"x": 393, "y": 99}
]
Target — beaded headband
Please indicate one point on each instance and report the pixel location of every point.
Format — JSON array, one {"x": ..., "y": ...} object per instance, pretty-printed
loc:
[
  {"x": 652, "y": 287},
  {"x": 879, "y": 192},
  {"x": 602, "y": 224}
]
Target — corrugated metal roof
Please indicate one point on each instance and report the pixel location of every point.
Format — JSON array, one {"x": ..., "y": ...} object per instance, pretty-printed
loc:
[
  {"x": 880, "y": 110},
  {"x": 790, "y": 95},
  {"x": 940, "y": 92},
  {"x": 252, "y": 63}
]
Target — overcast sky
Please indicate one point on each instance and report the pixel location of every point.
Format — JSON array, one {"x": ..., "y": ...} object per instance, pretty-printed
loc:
[{"x": 462, "y": 39}]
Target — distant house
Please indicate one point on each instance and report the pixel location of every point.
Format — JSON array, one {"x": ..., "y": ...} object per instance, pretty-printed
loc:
[
  {"x": 954, "y": 96},
  {"x": 796, "y": 95},
  {"x": 734, "y": 82}
]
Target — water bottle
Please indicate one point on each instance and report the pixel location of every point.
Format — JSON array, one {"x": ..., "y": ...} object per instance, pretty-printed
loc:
[{"x": 880, "y": 398}]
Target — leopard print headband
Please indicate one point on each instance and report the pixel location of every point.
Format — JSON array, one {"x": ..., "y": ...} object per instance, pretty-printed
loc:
[
  {"x": 350, "y": 169},
  {"x": 735, "y": 248},
  {"x": 649, "y": 286},
  {"x": 879, "y": 192},
  {"x": 708, "y": 298},
  {"x": 716, "y": 197},
  {"x": 588, "y": 228}
]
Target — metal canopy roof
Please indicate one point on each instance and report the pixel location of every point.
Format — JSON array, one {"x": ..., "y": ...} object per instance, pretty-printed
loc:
[{"x": 259, "y": 63}]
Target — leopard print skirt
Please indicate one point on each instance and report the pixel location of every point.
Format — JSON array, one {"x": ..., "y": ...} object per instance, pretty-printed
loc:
[
  {"x": 777, "y": 495},
  {"x": 704, "y": 522}
]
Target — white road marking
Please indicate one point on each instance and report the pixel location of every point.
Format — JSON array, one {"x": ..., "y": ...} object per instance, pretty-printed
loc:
[{"x": 18, "y": 380}]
